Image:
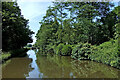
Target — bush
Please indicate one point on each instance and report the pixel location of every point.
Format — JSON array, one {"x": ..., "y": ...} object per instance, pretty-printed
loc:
[
  {"x": 62, "y": 49},
  {"x": 66, "y": 50},
  {"x": 18, "y": 53},
  {"x": 59, "y": 48},
  {"x": 5, "y": 55},
  {"x": 107, "y": 53},
  {"x": 82, "y": 50}
]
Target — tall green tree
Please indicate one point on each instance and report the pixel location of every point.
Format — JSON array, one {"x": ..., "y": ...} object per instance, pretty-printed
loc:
[
  {"x": 15, "y": 31},
  {"x": 67, "y": 31},
  {"x": 74, "y": 22}
]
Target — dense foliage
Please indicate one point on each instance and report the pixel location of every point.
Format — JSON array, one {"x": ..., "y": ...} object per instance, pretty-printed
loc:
[
  {"x": 107, "y": 53},
  {"x": 71, "y": 23},
  {"x": 15, "y": 31},
  {"x": 63, "y": 49},
  {"x": 82, "y": 51},
  {"x": 84, "y": 25}
]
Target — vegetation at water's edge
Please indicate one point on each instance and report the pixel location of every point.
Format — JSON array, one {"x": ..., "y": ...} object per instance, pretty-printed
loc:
[
  {"x": 4, "y": 55},
  {"x": 107, "y": 53},
  {"x": 85, "y": 30},
  {"x": 15, "y": 31},
  {"x": 13, "y": 53}
]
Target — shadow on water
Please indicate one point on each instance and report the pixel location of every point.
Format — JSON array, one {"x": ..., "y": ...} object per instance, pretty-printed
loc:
[
  {"x": 42, "y": 66},
  {"x": 16, "y": 68}
]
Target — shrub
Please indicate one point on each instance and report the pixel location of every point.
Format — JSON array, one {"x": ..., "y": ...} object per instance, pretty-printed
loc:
[
  {"x": 62, "y": 49},
  {"x": 18, "y": 53},
  {"x": 59, "y": 48},
  {"x": 82, "y": 50},
  {"x": 66, "y": 50},
  {"x": 5, "y": 55},
  {"x": 107, "y": 53}
]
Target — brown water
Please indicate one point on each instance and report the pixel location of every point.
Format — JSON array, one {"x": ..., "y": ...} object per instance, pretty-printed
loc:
[{"x": 55, "y": 67}]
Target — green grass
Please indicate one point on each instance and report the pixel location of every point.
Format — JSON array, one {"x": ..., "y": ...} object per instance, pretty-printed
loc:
[
  {"x": 13, "y": 53},
  {"x": 5, "y": 55}
]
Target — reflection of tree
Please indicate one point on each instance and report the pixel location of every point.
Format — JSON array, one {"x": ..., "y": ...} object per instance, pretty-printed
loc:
[
  {"x": 17, "y": 68},
  {"x": 53, "y": 66},
  {"x": 90, "y": 69},
  {"x": 65, "y": 67}
]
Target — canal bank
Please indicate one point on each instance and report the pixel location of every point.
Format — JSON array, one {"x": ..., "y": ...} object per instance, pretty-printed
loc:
[{"x": 12, "y": 54}]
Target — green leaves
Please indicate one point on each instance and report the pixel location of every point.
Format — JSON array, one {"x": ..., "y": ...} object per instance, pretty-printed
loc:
[
  {"x": 15, "y": 30},
  {"x": 82, "y": 51},
  {"x": 107, "y": 53},
  {"x": 85, "y": 25},
  {"x": 64, "y": 50}
]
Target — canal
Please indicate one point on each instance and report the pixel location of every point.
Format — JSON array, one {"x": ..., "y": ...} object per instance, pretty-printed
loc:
[{"x": 53, "y": 66}]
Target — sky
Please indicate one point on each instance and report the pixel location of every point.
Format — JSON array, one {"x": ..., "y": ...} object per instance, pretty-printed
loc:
[{"x": 34, "y": 11}]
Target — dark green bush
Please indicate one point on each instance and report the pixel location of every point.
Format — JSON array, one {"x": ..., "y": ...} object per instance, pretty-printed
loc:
[
  {"x": 59, "y": 49},
  {"x": 66, "y": 50},
  {"x": 107, "y": 53},
  {"x": 18, "y": 53},
  {"x": 62, "y": 49},
  {"x": 82, "y": 50}
]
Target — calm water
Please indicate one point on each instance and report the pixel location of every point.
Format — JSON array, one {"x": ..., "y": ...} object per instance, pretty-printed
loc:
[{"x": 39, "y": 66}]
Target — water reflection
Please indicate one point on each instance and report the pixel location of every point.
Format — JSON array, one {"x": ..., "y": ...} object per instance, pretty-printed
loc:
[
  {"x": 17, "y": 68},
  {"x": 35, "y": 72},
  {"x": 65, "y": 67},
  {"x": 53, "y": 66}
]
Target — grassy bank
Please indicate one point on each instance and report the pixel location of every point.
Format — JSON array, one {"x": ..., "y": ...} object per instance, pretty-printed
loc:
[
  {"x": 13, "y": 53},
  {"x": 4, "y": 56}
]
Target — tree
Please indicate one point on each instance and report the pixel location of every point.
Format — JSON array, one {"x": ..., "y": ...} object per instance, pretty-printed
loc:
[
  {"x": 67, "y": 32},
  {"x": 15, "y": 31},
  {"x": 73, "y": 22}
]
